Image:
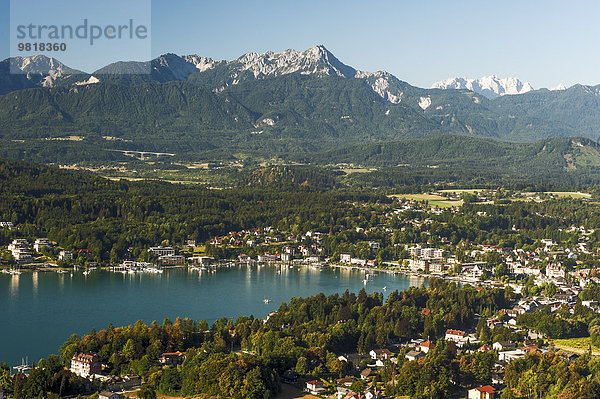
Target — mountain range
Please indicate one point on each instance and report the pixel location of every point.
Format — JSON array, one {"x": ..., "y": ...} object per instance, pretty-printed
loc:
[
  {"x": 490, "y": 86},
  {"x": 273, "y": 103}
]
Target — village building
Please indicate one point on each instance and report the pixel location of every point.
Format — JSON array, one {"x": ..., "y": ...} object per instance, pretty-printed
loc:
[
  {"x": 345, "y": 258},
  {"x": 380, "y": 354},
  {"x": 509, "y": 356},
  {"x": 353, "y": 359},
  {"x": 414, "y": 355},
  {"x": 455, "y": 335},
  {"x": 485, "y": 392},
  {"x": 108, "y": 395},
  {"x": 41, "y": 243},
  {"x": 503, "y": 346},
  {"x": 314, "y": 387},
  {"x": 268, "y": 258},
  {"x": 162, "y": 251},
  {"x": 170, "y": 260},
  {"x": 427, "y": 346},
  {"x": 85, "y": 364},
  {"x": 172, "y": 358},
  {"x": 243, "y": 258},
  {"x": 367, "y": 374}
]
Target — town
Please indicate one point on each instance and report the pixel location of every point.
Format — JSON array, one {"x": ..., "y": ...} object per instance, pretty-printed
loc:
[{"x": 546, "y": 277}]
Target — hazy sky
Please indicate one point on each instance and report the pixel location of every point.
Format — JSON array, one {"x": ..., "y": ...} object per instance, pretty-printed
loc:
[{"x": 542, "y": 42}]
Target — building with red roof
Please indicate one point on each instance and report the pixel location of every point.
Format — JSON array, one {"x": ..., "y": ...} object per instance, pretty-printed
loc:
[{"x": 484, "y": 392}]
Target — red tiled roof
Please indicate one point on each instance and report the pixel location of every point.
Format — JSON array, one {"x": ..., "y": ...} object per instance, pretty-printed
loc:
[
  {"x": 428, "y": 344},
  {"x": 486, "y": 389},
  {"x": 425, "y": 311},
  {"x": 174, "y": 353},
  {"x": 455, "y": 332}
]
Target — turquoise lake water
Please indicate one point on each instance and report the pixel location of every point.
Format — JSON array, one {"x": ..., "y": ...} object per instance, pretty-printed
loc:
[{"x": 40, "y": 311}]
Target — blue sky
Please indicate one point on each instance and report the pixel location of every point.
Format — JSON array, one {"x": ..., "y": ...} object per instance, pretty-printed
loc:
[{"x": 543, "y": 42}]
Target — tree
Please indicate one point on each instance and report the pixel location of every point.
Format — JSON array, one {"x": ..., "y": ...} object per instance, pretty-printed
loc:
[
  {"x": 302, "y": 366},
  {"x": 145, "y": 392},
  {"x": 129, "y": 350},
  {"x": 170, "y": 382}
]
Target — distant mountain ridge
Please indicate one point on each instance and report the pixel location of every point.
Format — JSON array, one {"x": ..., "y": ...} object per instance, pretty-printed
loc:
[
  {"x": 220, "y": 74},
  {"x": 36, "y": 71},
  {"x": 276, "y": 102},
  {"x": 490, "y": 86}
]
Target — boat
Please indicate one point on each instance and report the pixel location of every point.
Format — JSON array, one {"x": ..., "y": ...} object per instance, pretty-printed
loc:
[
  {"x": 266, "y": 300},
  {"x": 385, "y": 288}
]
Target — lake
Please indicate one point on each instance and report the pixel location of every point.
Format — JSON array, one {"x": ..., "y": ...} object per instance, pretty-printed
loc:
[{"x": 40, "y": 310}]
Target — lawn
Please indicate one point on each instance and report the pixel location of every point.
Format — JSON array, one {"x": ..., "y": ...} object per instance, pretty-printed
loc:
[
  {"x": 570, "y": 194},
  {"x": 433, "y": 200},
  {"x": 356, "y": 170}
]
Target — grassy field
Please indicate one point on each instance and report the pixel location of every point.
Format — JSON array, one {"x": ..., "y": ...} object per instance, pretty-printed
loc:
[
  {"x": 576, "y": 345},
  {"x": 570, "y": 194},
  {"x": 433, "y": 200},
  {"x": 356, "y": 170}
]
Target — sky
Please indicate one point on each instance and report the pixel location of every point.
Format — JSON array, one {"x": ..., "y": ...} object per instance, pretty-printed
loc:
[{"x": 542, "y": 42}]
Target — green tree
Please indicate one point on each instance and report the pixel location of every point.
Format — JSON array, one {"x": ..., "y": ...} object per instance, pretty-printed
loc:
[{"x": 146, "y": 392}]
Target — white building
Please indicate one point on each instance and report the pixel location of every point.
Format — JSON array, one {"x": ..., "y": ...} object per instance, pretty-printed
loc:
[
  {"x": 268, "y": 258},
  {"x": 455, "y": 335},
  {"x": 162, "y": 251},
  {"x": 22, "y": 254},
  {"x": 345, "y": 258},
  {"x": 18, "y": 243},
  {"x": 554, "y": 271},
  {"x": 374, "y": 245},
  {"x": 172, "y": 259},
  {"x": 41, "y": 243},
  {"x": 509, "y": 356},
  {"x": 485, "y": 392},
  {"x": 85, "y": 365}
]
